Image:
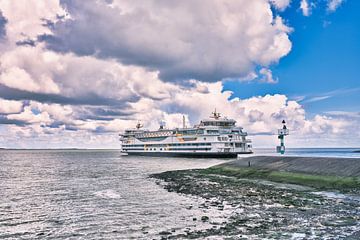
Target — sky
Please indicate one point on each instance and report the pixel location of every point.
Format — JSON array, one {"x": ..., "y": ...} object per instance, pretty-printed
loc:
[{"x": 74, "y": 74}]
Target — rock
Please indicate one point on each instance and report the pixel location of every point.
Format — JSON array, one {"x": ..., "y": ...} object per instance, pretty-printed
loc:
[
  {"x": 165, "y": 233},
  {"x": 204, "y": 218}
]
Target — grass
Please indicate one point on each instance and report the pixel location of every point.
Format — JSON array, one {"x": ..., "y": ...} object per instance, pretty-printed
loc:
[{"x": 322, "y": 182}]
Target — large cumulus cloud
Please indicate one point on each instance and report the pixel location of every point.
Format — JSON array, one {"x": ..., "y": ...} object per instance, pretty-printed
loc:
[{"x": 182, "y": 39}]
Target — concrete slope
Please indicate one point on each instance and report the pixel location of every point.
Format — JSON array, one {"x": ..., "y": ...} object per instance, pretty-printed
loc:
[{"x": 345, "y": 167}]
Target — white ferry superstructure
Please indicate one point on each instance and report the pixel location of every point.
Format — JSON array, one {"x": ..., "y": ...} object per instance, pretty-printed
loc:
[{"x": 213, "y": 137}]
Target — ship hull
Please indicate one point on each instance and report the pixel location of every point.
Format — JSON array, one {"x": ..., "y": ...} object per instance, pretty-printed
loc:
[{"x": 188, "y": 154}]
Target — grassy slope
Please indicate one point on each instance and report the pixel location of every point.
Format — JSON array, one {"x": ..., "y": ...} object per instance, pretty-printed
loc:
[{"x": 322, "y": 182}]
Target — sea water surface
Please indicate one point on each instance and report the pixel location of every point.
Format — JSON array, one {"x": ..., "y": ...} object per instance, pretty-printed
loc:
[{"x": 99, "y": 194}]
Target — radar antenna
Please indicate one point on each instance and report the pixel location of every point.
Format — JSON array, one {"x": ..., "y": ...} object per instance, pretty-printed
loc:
[
  {"x": 215, "y": 114},
  {"x": 139, "y": 125}
]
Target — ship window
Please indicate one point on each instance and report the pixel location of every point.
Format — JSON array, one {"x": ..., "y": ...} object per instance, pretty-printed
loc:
[
  {"x": 212, "y": 131},
  {"x": 188, "y": 132},
  {"x": 204, "y": 138},
  {"x": 160, "y": 149}
]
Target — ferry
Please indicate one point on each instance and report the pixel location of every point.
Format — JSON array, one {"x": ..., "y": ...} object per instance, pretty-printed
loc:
[{"x": 213, "y": 137}]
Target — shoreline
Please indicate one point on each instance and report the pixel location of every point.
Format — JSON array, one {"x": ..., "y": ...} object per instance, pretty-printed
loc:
[{"x": 265, "y": 201}]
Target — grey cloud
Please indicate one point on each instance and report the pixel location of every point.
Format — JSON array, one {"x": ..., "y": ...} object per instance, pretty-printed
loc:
[
  {"x": 70, "y": 128},
  {"x": 95, "y": 117},
  {"x": 104, "y": 113},
  {"x": 27, "y": 42},
  {"x": 100, "y": 129},
  {"x": 4, "y": 120},
  {"x": 3, "y": 22},
  {"x": 111, "y": 112},
  {"x": 56, "y": 124},
  {"x": 88, "y": 99}
]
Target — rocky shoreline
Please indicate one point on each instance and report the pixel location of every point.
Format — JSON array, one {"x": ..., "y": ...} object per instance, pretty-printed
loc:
[{"x": 258, "y": 209}]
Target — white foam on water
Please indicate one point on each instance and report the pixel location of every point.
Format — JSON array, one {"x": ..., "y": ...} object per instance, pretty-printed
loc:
[
  {"x": 108, "y": 193},
  {"x": 297, "y": 236}
]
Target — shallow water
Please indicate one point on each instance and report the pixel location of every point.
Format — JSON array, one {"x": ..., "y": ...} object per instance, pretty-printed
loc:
[
  {"x": 89, "y": 194},
  {"x": 96, "y": 194}
]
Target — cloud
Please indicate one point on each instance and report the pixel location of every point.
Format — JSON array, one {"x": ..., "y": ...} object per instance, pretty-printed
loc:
[
  {"x": 182, "y": 40},
  {"x": 305, "y": 7},
  {"x": 3, "y": 22},
  {"x": 327, "y": 95},
  {"x": 30, "y": 69},
  {"x": 4, "y": 120},
  {"x": 25, "y": 18},
  {"x": 267, "y": 76},
  {"x": 261, "y": 116},
  {"x": 37, "y": 74},
  {"x": 280, "y": 4},
  {"x": 332, "y": 5},
  {"x": 7, "y": 107},
  {"x": 316, "y": 99},
  {"x": 344, "y": 114},
  {"x": 90, "y": 99},
  {"x": 29, "y": 116}
]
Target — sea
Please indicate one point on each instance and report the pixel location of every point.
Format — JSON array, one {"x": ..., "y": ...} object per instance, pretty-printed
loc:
[{"x": 101, "y": 194}]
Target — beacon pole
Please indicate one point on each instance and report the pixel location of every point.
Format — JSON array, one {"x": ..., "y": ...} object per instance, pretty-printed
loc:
[{"x": 281, "y": 135}]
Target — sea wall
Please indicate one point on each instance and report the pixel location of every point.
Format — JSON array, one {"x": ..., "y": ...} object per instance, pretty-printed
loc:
[{"x": 342, "y": 167}]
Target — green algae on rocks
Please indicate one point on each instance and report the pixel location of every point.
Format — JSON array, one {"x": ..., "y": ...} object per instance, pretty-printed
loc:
[{"x": 322, "y": 182}]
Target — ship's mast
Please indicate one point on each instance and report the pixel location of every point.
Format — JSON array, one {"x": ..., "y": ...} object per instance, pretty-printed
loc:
[
  {"x": 215, "y": 115},
  {"x": 139, "y": 125}
]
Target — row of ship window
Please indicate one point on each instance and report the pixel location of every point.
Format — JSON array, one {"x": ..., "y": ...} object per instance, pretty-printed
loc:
[
  {"x": 169, "y": 145},
  {"x": 171, "y": 149},
  {"x": 184, "y": 132}
]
